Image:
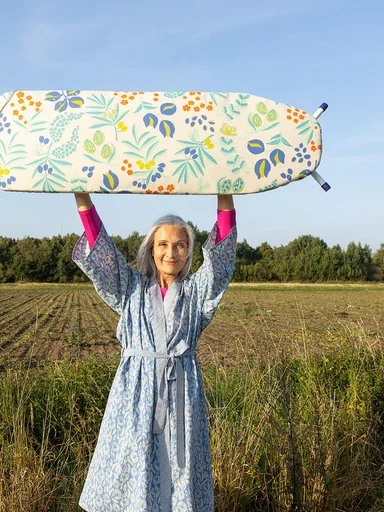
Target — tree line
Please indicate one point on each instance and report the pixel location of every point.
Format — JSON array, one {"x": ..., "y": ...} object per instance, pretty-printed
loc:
[{"x": 305, "y": 259}]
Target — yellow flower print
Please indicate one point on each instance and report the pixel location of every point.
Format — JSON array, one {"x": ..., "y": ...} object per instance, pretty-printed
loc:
[
  {"x": 146, "y": 165},
  {"x": 110, "y": 113},
  {"x": 122, "y": 127},
  {"x": 208, "y": 144},
  {"x": 228, "y": 130}
]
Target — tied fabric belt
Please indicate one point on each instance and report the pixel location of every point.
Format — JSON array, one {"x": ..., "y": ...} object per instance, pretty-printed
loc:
[{"x": 168, "y": 367}]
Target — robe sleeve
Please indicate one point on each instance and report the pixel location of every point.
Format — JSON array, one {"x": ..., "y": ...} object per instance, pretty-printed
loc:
[
  {"x": 107, "y": 268},
  {"x": 214, "y": 275}
]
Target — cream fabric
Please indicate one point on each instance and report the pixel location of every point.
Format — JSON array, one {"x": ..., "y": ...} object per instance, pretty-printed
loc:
[{"x": 153, "y": 142}]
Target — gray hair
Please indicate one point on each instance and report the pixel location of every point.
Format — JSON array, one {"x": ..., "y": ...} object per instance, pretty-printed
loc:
[{"x": 146, "y": 263}]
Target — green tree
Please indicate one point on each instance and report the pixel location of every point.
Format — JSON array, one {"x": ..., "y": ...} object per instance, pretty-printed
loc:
[{"x": 378, "y": 264}]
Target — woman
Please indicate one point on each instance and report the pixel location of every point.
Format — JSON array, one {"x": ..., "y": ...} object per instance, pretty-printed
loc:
[{"x": 153, "y": 451}]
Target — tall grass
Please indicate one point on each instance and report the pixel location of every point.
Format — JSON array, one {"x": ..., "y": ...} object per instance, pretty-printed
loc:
[{"x": 303, "y": 433}]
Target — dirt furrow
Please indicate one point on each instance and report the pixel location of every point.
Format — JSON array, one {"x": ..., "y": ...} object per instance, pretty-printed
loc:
[
  {"x": 6, "y": 297},
  {"x": 13, "y": 304},
  {"x": 64, "y": 328},
  {"x": 21, "y": 314},
  {"x": 45, "y": 328},
  {"x": 58, "y": 349},
  {"x": 29, "y": 340},
  {"x": 22, "y": 322},
  {"x": 96, "y": 322}
]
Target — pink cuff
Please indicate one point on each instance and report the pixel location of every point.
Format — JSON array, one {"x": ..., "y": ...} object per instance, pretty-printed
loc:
[
  {"x": 226, "y": 219},
  {"x": 92, "y": 224}
]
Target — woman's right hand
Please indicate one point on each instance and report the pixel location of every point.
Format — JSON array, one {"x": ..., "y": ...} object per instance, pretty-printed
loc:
[{"x": 83, "y": 201}]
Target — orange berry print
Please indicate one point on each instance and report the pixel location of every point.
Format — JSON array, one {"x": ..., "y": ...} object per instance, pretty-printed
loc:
[
  {"x": 38, "y": 104},
  {"x": 31, "y": 103},
  {"x": 289, "y": 117},
  {"x": 289, "y": 110},
  {"x": 25, "y": 122},
  {"x": 301, "y": 117},
  {"x": 192, "y": 93},
  {"x": 131, "y": 97},
  {"x": 319, "y": 146},
  {"x": 37, "y": 109},
  {"x": 123, "y": 168},
  {"x": 29, "y": 97},
  {"x": 197, "y": 98},
  {"x": 196, "y": 109},
  {"x": 148, "y": 191},
  {"x": 295, "y": 114},
  {"x": 116, "y": 93},
  {"x": 24, "y": 108},
  {"x": 21, "y": 100},
  {"x": 15, "y": 112},
  {"x": 209, "y": 108},
  {"x": 160, "y": 188},
  {"x": 129, "y": 173},
  {"x": 316, "y": 127},
  {"x": 295, "y": 120},
  {"x": 191, "y": 102},
  {"x": 202, "y": 105},
  {"x": 186, "y": 108},
  {"x": 123, "y": 96},
  {"x": 20, "y": 117},
  {"x": 12, "y": 104}
]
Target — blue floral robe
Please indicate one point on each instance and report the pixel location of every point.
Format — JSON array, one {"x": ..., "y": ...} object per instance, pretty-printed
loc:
[{"x": 153, "y": 450}]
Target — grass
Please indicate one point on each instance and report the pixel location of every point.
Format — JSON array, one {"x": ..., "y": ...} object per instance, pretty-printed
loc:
[{"x": 302, "y": 433}]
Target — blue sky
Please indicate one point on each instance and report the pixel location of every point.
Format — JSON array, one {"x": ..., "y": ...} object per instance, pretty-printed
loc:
[{"x": 300, "y": 53}]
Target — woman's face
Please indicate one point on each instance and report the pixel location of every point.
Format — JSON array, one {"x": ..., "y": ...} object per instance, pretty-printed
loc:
[{"x": 170, "y": 250}]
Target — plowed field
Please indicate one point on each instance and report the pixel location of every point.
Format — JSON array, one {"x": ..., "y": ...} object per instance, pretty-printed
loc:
[{"x": 53, "y": 322}]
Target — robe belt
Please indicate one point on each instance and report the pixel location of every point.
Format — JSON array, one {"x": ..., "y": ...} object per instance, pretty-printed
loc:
[{"x": 168, "y": 367}]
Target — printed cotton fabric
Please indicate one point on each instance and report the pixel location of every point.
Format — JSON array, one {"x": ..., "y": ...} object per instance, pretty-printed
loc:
[
  {"x": 153, "y": 142},
  {"x": 125, "y": 473}
]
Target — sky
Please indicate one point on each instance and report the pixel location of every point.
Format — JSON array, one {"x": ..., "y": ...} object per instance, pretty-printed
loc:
[{"x": 300, "y": 53}]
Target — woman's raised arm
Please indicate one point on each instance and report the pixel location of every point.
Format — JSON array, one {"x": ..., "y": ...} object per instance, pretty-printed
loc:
[
  {"x": 83, "y": 201},
  {"x": 225, "y": 202}
]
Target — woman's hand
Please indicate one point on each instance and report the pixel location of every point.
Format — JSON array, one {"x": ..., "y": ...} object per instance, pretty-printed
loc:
[
  {"x": 225, "y": 202},
  {"x": 83, "y": 201}
]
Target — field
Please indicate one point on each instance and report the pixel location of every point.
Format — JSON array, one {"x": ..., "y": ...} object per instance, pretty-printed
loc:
[
  {"x": 39, "y": 322},
  {"x": 293, "y": 377}
]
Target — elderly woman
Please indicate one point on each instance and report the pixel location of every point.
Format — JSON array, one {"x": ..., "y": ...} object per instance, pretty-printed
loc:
[{"x": 153, "y": 451}]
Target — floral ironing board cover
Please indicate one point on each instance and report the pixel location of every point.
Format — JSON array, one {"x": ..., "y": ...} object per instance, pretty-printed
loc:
[{"x": 153, "y": 142}]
